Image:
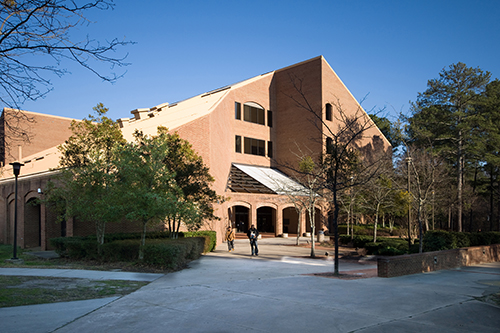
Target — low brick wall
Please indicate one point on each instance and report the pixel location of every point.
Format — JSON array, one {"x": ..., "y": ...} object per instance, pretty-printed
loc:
[{"x": 434, "y": 261}]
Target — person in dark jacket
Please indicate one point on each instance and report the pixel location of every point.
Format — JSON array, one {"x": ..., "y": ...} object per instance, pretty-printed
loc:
[{"x": 252, "y": 235}]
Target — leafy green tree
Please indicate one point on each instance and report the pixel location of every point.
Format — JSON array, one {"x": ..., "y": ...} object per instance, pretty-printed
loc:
[
  {"x": 160, "y": 178},
  {"x": 193, "y": 179},
  {"x": 87, "y": 180},
  {"x": 443, "y": 116},
  {"x": 146, "y": 184},
  {"x": 488, "y": 137}
]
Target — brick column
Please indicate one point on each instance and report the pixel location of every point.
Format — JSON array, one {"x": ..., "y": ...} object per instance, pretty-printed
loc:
[
  {"x": 278, "y": 228},
  {"x": 252, "y": 218}
]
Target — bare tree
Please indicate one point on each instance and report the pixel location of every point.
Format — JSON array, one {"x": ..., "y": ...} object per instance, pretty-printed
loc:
[
  {"x": 36, "y": 36},
  {"x": 345, "y": 150},
  {"x": 428, "y": 171}
]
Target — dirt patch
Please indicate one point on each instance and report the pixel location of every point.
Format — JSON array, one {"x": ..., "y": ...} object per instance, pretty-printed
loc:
[{"x": 26, "y": 290}]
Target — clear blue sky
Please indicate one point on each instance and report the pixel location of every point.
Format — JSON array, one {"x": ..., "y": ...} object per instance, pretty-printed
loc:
[{"x": 382, "y": 50}]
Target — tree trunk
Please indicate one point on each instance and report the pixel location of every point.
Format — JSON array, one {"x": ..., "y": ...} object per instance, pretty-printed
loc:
[
  {"x": 178, "y": 227},
  {"x": 420, "y": 225},
  {"x": 100, "y": 229},
  {"x": 459, "y": 181},
  {"x": 143, "y": 241},
  {"x": 299, "y": 212},
  {"x": 312, "y": 221},
  {"x": 491, "y": 199},
  {"x": 375, "y": 224}
]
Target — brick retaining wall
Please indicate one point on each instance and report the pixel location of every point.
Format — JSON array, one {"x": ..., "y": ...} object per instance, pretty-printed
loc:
[{"x": 434, "y": 261}]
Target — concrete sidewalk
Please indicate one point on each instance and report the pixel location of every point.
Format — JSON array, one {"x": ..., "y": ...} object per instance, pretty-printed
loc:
[{"x": 235, "y": 292}]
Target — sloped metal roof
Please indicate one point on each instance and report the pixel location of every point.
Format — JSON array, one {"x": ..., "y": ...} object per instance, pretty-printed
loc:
[{"x": 257, "y": 179}]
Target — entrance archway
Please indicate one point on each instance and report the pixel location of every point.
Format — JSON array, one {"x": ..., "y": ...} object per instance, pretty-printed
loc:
[
  {"x": 266, "y": 219},
  {"x": 290, "y": 220},
  {"x": 241, "y": 217},
  {"x": 32, "y": 224}
]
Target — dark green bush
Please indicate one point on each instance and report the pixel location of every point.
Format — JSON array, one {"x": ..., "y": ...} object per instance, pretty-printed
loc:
[
  {"x": 160, "y": 250},
  {"x": 438, "y": 240},
  {"x": 81, "y": 249},
  {"x": 484, "y": 238},
  {"x": 387, "y": 246},
  {"x": 360, "y": 241},
  {"x": 461, "y": 239},
  {"x": 121, "y": 250},
  {"x": 173, "y": 254},
  {"x": 210, "y": 243}
]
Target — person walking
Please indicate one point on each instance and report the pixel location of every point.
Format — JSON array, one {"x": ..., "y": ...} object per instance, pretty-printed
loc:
[
  {"x": 252, "y": 235},
  {"x": 230, "y": 238}
]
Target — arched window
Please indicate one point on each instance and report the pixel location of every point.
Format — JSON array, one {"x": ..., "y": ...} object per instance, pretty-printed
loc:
[
  {"x": 329, "y": 112},
  {"x": 254, "y": 113}
]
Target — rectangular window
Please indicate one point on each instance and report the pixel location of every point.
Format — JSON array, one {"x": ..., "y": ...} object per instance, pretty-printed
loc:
[
  {"x": 270, "y": 149},
  {"x": 269, "y": 118},
  {"x": 255, "y": 147},
  {"x": 237, "y": 110},
  {"x": 329, "y": 112},
  {"x": 238, "y": 144},
  {"x": 329, "y": 145},
  {"x": 253, "y": 114}
]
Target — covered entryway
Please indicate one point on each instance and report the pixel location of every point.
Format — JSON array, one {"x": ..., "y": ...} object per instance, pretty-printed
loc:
[
  {"x": 290, "y": 220},
  {"x": 241, "y": 218},
  {"x": 266, "y": 219}
]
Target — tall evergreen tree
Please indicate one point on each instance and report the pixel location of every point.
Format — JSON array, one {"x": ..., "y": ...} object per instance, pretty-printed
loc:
[{"x": 443, "y": 117}]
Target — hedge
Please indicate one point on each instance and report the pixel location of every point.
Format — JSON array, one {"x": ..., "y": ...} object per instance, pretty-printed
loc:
[
  {"x": 160, "y": 250},
  {"x": 438, "y": 240},
  {"x": 211, "y": 238},
  {"x": 161, "y": 253}
]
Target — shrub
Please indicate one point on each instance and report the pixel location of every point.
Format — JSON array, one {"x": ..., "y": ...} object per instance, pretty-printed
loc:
[
  {"x": 160, "y": 250},
  {"x": 387, "y": 246},
  {"x": 121, "y": 250},
  {"x": 438, "y": 240},
  {"x": 211, "y": 238},
  {"x": 360, "y": 241},
  {"x": 173, "y": 254}
]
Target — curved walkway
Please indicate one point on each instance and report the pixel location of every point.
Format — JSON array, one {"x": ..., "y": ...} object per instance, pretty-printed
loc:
[{"x": 234, "y": 292}]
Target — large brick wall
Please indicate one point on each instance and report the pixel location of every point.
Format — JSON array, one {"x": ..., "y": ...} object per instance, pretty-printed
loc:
[
  {"x": 434, "y": 261},
  {"x": 43, "y": 132}
]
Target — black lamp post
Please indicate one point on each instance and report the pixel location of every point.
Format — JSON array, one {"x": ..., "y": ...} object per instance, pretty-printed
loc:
[{"x": 16, "y": 167}]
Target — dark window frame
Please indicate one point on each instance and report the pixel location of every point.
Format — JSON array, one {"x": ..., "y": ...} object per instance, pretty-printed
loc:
[
  {"x": 328, "y": 112},
  {"x": 237, "y": 110},
  {"x": 270, "y": 149},
  {"x": 269, "y": 118},
  {"x": 237, "y": 143},
  {"x": 254, "y": 146},
  {"x": 253, "y": 114}
]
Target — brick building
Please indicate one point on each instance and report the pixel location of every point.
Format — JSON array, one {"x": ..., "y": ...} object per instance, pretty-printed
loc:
[{"x": 246, "y": 133}]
